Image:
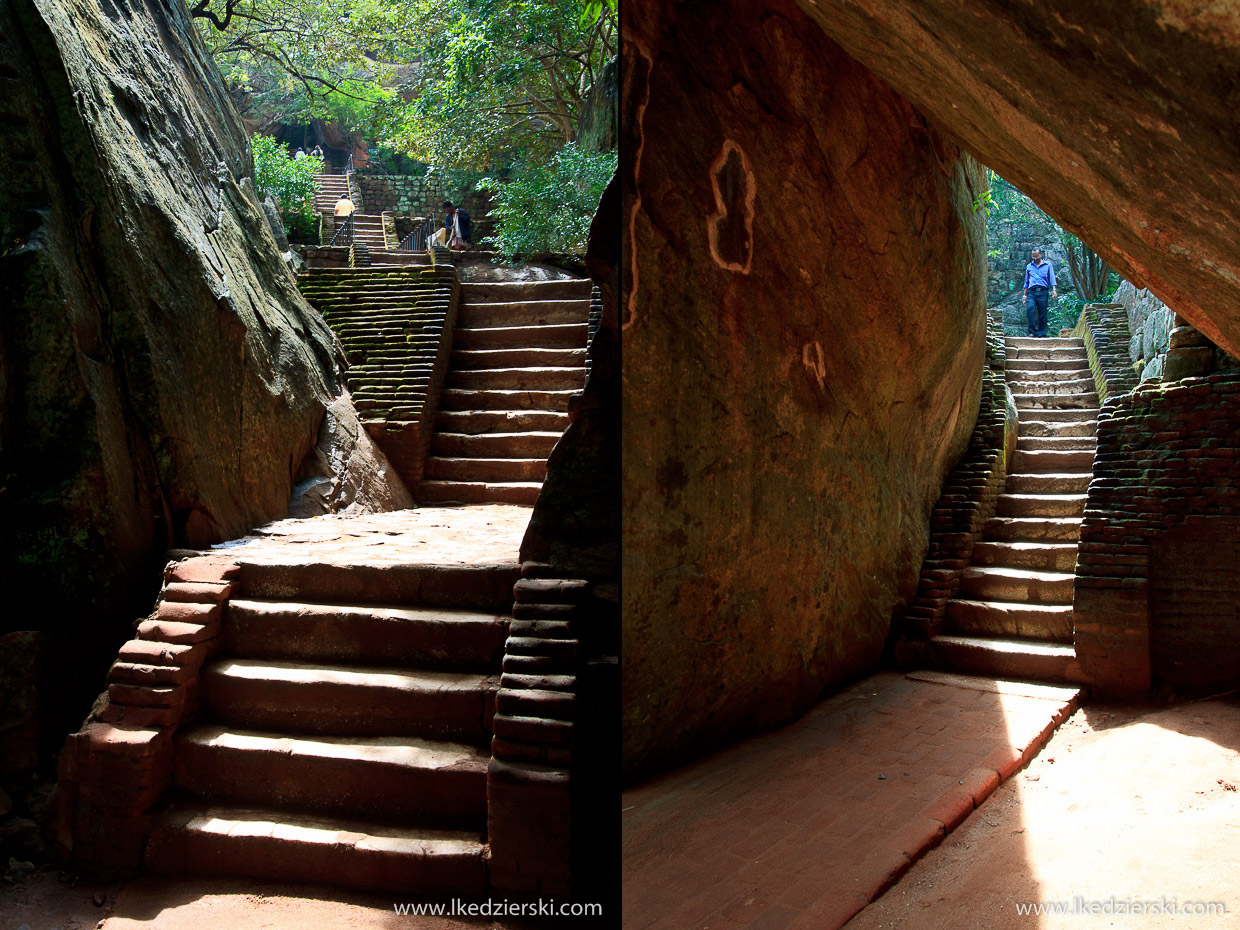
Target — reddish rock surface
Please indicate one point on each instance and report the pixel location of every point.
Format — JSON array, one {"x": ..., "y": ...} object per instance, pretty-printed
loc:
[
  {"x": 803, "y": 336},
  {"x": 1120, "y": 122}
]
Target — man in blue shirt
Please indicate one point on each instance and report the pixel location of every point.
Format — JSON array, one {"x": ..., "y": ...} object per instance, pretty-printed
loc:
[{"x": 1039, "y": 278}]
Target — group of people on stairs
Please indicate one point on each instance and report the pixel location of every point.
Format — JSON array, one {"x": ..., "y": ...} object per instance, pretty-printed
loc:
[{"x": 454, "y": 233}]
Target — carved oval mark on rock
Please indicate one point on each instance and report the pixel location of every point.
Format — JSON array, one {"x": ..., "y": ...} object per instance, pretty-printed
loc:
[{"x": 729, "y": 228}]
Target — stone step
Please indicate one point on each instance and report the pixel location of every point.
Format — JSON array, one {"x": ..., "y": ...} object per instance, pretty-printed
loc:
[
  {"x": 1052, "y": 387},
  {"x": 1048, "y": 354},
  {"x": 530, "y": 313},
  {"x": 1056, "y": 443},
  {"x": 1019, "y": 375},
  {"x": 1043, "y": 460},
  {"x": 479, "y": 422},
  {"x": 294, "y": 697},
  {"x": 478, "y": 492},
  {"x": 1044, "y": 622},
  {"x": 485, "y": 586},
  {"x": 498, "y": 445},
  {"x": 444, "y": 468},
  {"x": 463, "y": 359},
  {"x": 1067, "y": 529},
  {"x": 1045, "y": 364},
  {"x": 509, "y": 291},
  {"x": 1040, "y": 505},
  {"x": 1050, "y": 428},
  {"x": 1049, "y": 483},
  {"x": 1057, "y": 557},
  {"x": 1019, "y": 585},
  {"x": 519, "y": 379},
  {"x": 273, "y": 845},
  {"x": 1044, "y": 342},
  {"x": 460, "y": 399},
  {"x": 424, "y": 637},
  {"x": 561, "y": 335},
  {"x": 396, "y": 778},
  {"x": 1007, "y": 658},
  {"x": 1082, "y": 401},
  {"x": 1064, "y": 415}
]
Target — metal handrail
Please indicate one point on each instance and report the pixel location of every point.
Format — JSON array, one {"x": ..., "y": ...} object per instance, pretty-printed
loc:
[
  {"x": 344, "y": 234},
  {"x": 416, "y": 240}
]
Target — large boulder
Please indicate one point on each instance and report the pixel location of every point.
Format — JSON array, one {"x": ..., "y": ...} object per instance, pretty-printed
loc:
[
  {"x": 161, "y": 379},
  {"x": 803, "y": 338},
  {"x": 1119, "y": 119}
]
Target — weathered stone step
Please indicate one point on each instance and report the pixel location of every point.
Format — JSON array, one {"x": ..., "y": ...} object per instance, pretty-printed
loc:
[
  {"x": 1051, "y": 428},
  {"x": 294, "y": 697},
  {"x": 1017, "y": 376},
  {"x": 561, "y": 335},
  {"x": 1082, "y": 401},
  {"x": 1044, "y": 622},
  {"x": 1049, "y": 483},
  {"x": 478, "y": 422},
  {"x": 272, "y": 845},
  {"x": 519, "y": 358},
  {"x": 1045, "y": 364},
  {"x": 500, "y": 445},
  {"x": 1056, "y": 443},
  {"x": 483, "y": 586},
  {"x": 1033, "y": 528},
  {"x": 1021, "y": 585},
  {"x": 444, "y": 468},
  {"x": 1079, "y": 356},
  {"x": 478, "y": 492},
  {"x": 508, "y": 291},
  {"x": 396, "y": 778},
  {"x": 531, "y": 313},
  {"x": 1025, "y": 461},
  {"x": 1065, "y": 415},
  {"x": 1051, "y": 386},
  {"x": 459, "y": 399},
  {"x": 1007, "y": 658},
  {"x": 363, "y": 634},
  {"x": 1057, "y": 557},
  {"x": 519, "y": 379},
  {"x": 1040, "y": 505},
  {"x": 1044, "y": 342}
]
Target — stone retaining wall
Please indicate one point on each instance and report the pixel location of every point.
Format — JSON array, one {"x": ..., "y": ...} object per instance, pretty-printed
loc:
[
  {"x": 407, "y": 197},
  {"x": 1166, "y": 484},
  {"x": 1104, "y": 330}
]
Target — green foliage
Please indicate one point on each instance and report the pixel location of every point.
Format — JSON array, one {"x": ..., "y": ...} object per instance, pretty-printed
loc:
[
  {"x": 548, "y": 208},
  {"x": 291, "y": 182}
]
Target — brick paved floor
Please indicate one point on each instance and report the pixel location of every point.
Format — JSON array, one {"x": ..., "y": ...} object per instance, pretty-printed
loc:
[{"x": 803, "y": 826}]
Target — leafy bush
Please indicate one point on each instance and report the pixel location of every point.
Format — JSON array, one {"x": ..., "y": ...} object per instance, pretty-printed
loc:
[
  {"x": 548, "y": 208},
  {"x": 291, "y": 182}
]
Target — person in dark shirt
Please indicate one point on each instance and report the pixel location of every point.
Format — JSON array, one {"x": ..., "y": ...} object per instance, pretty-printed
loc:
[
  {"x": 1039, "y": 279},
  {"x": 455, "y": 233}
]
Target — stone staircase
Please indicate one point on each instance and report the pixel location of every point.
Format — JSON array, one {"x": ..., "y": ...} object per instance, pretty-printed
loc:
[
  {"x": 1012, "y": 617},
  {"x": 518, "y": 356},
  {"x": 340, "y": 740},
  {"x": 367, "y": 228}
]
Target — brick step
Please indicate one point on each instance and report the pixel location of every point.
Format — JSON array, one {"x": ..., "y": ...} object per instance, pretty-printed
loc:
[
  {"x": 479, "y": 422},
  {"x": 478, "y": 492},
  {"x": 1048, "y": 483},
  {"x": 1050, "y": 386},
  {"x": 498, "y": 445},
  {"x": 335, "y": 700},
  {"x": 1019, "y": 585},
  {"x": 396, "y": 778},
  {"x": 1067, "y": 529},
  {"x": 459, "y": 399},
  {"x": 1042, "y": 460},
  {"x": 363, "y": 634},
  {"x": 272, "y": 845},
  {"x": 1056, "y": 443},
  {"x": 531, "y": 313},
  {"x": 1043, "y": 622},
  {"x": 518, "y": 379},
  {"x": 443, "y": 468},
  {"x": 1045, "y": 364},
  {"x": 1063, "y": 415},
  {"x": 463, "y": 359},
  {"x": 1050, "y": 428},
  {"x": 1083, "y": 401},
  {"x": 481, "y": 586},
  {"x": 1040, "y": 505},
  {"x": 1058, "y": 557},
  {"x": 510, "y": 291},
  {"x": 561, "y": 335},
  {"x": 1007, "y": 658}
]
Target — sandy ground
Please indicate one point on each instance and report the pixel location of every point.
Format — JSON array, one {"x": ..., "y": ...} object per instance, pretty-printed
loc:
[{"x": 1123, "y": 809}]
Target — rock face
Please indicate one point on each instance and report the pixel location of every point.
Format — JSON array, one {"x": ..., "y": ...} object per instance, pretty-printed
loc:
[
  {"x": 803, "y": 335},
  {"x": 161, "y": 380},
  {"x": 1119, "y": 120}
]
